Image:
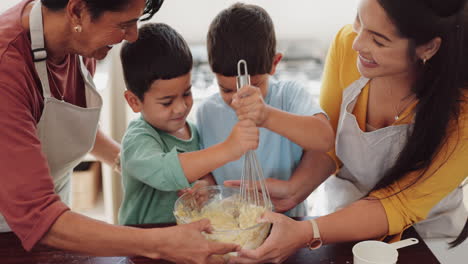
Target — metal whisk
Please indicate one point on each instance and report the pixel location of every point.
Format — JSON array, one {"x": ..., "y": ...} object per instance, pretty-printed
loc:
[{"x": 252, "y": 188}]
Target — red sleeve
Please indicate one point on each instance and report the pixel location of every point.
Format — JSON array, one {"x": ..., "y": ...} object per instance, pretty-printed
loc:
[
  {"x": 91, "y": 65},
  {"x": 27, "y": 198}
]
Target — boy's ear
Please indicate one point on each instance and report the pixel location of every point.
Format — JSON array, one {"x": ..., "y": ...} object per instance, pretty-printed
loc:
[
  {"x": 133, "y": 101},
  {"x": 276, "y": 59}
]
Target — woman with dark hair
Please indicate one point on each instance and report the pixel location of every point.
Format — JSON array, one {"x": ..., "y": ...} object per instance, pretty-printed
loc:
[
  {"x": 49, "y": 120},
  {"x": 395, "y": 89}
]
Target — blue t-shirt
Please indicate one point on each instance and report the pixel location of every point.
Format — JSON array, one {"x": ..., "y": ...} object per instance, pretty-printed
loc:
[{"x": 277, "y": 155}]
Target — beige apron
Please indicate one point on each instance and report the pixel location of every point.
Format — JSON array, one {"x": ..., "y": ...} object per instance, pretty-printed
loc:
[
  {"x": 366, "y": 156},
  {"x": 66, "y": 131}
]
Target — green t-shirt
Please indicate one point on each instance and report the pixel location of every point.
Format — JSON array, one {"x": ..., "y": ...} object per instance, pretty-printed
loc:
[{"x": 151, "y": 173}]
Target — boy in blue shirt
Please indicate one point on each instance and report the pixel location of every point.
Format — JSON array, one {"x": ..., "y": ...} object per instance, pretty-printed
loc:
[
  {"x": 286, "y": 113},
  {"x": 160, "y": 150}
]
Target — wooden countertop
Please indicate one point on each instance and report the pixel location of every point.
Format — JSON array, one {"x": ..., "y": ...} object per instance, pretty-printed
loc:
[{"x": 11, "y": 252}]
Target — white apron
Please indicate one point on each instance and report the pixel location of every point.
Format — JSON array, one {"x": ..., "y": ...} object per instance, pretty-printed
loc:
[
  {"x": 66, "y": 131},
  {"x": 366, "y": 157}
]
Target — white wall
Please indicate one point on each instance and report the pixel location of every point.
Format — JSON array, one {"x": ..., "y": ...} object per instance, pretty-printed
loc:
[
  {"x": 5, "y": 4},
  {"x": 294, "y": 19}
]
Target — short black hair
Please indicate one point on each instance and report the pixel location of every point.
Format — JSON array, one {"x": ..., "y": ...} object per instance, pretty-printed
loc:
[
  {"x": 241, "y": 32},
  {"x": 160, "y": 53},
  {"x": 97, "y": 7}
]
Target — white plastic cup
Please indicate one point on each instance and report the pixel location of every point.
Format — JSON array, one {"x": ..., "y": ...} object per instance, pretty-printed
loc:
[{"x": 377, "y": 252}]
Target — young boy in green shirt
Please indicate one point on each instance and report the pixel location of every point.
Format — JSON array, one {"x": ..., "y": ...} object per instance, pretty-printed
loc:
[{"x": 160, "y": 150}]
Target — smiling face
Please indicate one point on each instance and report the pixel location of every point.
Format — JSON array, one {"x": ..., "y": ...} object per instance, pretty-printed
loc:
[
  {"x": 98, "y": 35},
  {"x": 382, "y": 52},
  {"x": 228, "y": 85},
  {"x": 166, "y": 104}
]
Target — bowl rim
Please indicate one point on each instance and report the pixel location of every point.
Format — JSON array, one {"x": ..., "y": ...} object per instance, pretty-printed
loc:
[{"x": 215, "y": 187}]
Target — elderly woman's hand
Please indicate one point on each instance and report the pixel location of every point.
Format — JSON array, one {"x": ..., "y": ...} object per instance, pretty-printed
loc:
[
  {"x": 186, "y": 244},
  {"x": 286, "y": 237}
]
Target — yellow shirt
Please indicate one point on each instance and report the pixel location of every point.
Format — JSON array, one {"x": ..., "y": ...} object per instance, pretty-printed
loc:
[{"x": 448, "y": 169}]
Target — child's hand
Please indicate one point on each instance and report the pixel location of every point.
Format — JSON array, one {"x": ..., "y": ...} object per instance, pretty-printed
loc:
[
  {"x": 244, "y": 137},
  {"x": 195, "y": 196},
  {"x": 198, "y": 184},
  {"x": 248, "y": 104}
]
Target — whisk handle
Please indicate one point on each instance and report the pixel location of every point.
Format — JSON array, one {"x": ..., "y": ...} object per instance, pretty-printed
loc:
[{"x": 242, "y": 78}]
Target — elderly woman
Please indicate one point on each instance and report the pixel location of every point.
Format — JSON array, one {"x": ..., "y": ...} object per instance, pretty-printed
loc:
[{"x": 50, "y": 111}]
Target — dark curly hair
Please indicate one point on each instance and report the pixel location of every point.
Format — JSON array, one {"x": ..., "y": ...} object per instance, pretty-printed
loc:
[{"x": 97, "y": 7}]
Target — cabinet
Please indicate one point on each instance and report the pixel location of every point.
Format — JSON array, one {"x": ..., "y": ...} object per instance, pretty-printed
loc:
[{"x": 86, "y": 196}]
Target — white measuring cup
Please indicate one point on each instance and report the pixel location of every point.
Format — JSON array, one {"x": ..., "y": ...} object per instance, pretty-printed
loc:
[{"x": 377, "y": 252}]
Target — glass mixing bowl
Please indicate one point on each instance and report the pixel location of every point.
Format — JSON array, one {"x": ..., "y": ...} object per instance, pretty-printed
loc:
[{"x": 225, "y": 200}]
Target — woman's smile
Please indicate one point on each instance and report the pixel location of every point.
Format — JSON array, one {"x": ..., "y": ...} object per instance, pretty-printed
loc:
[{"x": 368, "y": 63}]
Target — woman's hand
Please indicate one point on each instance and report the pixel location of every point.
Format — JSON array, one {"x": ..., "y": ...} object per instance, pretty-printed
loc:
[
  {"x": 286, "y": 237},
  {"x": 279, "y": 192},
  {"x": 186, "y": 244}
]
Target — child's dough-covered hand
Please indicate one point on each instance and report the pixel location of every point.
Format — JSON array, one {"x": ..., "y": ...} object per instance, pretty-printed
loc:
[
  {"x": 244, "y": 137},
  {"x": 198, "y": 184},
  {"x": 248, "y": 104}
]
